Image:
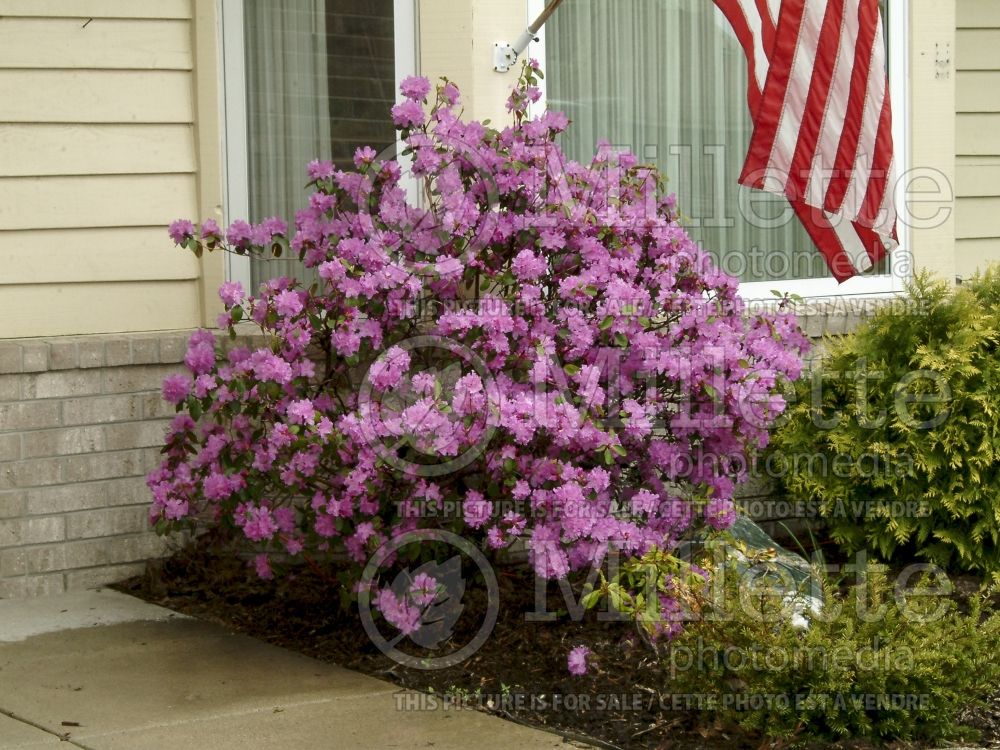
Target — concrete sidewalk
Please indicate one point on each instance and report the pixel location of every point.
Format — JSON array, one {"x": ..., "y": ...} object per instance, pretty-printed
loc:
[{"x": 105, "y": 671}]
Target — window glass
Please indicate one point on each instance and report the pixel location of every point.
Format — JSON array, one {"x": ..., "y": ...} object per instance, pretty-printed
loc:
[
  {"x": 320, "y": 83},
  {"x": 667, "y": 79}
]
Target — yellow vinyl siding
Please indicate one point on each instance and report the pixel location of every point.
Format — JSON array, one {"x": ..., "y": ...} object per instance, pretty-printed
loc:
[
  {"x": 978, "y": 49},
  {"x": 98, "y": 43},
  {"x": 977, "y": 135},
  {"x": 977, "y": 147},
  {"x": 978, "y": 14},
  {"x": 91, "y": 256},
  {"x": 979, "y": 180},
  {"x": 97, "y": 8},
  {"x": 81, "y": 202},
  {"x": 89, "y": 149},
  {"x": 97, "y": 156},
  {"x": 103, "y": 306},
  {"x": 977, "y": 218},
  {"x": 978, "y": 91},
  {"x": 95, "y": 95}
]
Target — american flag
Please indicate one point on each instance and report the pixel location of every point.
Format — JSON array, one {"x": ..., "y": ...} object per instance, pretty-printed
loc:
[{"x": 819, "y": 98}]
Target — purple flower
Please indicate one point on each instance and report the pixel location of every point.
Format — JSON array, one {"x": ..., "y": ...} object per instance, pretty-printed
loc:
[
  {"x": 301, "y": 412},
  {"x": 203, "y": 385},
  {"x": 582, "y": 302},
  {"x": 181, "y": 230},
  {"x": 398, "y": 612},
  {"x": 274, "y": 226},
  {"x": 408, "y": 114},
  {"x": 176, "y": 388},
  {"x": 231, "y": 293},
  {"x": 288, "y": 303},
  {"x": 239, "y": 234},
  {"x": 577, "y": 661},
  {"x": 217, "y": 487},
  {"x": 450, "y": 93},
  {"x": 527, "y": 266},
  {"x": 720, "y": 514},
  {"x": 210, "y": 230},
  {"x": 387, "y": 370},
  {"x": 415, "y": 88},
  {"x": 320, "y": 170},
  {"x": 268, "y": 366},
  {"x": 423, "y": 590},
  {"x": 259, "y": 524},
  {"x": 200, "y": 357},
  {"x": 263, "y": 567},
  {"x": 364, "y": 156},
  {"x": 476, "y": 509}
]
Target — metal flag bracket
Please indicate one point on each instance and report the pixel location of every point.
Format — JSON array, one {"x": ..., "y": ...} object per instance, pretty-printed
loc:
[{"x": 505, "y": 54}]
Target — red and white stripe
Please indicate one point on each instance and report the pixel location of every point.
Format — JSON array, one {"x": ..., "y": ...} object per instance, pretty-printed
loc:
[{"x": 819, "y": 97}]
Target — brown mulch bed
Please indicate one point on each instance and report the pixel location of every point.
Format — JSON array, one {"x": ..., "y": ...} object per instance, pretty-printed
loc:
[{"x": 519, "y": 673}]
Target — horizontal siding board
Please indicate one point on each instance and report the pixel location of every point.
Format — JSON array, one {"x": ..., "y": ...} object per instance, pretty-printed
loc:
[
  {"x": 978, "y": 134},
  {"x": 99, "y": 43},
  {"x": 68, "y": 309},
  {"x": 90, "y": 96},
  {"x": 91, "y": 255},
  {"x": 977, "y": 218},
  {"x": 977, "y": 180},
  {"x": 95, "y": 201},
  {"x": 56, "y": 149},
  {"x": 977, "y": 14},
  {"x": 984, "y": 160},
  {"x": 977, "y": 49},
  {"x": 98, "y": 8},
  {"x": 978, "y": 91},
  {"x": 973, "y": 255}
]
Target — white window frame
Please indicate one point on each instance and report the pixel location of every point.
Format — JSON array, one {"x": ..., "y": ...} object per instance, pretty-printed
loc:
[
  {"x": 236, "y": 161},
  {"x": 886, "y": 285}
]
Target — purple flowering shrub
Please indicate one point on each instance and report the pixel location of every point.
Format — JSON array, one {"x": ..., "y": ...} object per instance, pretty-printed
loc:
[{"x": 503, "y": 343}]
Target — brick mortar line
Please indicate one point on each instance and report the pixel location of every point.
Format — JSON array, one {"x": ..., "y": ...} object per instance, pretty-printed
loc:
[
  {"x": 66, "y": 428},
  {"x": 73, "y": 455},
  {"x": 68, "y": 513},
  {"x": 61, "y": 427},
  {"x": 74, "y": 484},
  {"x": 64, "y": 542},
  {"x": 102, "y": 451},
  {"x": 49, "y": 545}
]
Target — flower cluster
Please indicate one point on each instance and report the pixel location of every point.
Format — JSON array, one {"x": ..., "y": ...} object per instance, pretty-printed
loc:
[{"x": 531, "y": 329}]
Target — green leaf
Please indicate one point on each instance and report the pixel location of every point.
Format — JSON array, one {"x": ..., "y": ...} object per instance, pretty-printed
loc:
[{"x": 590, "y": 600}]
